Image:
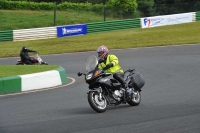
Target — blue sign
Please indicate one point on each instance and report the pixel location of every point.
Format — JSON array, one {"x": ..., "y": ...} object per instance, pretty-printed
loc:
[{"x": 71, "y": 30}]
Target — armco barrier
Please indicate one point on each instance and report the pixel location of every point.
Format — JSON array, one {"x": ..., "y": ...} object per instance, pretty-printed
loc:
[
  {"x": 197, "y": 16},
  {"x": 193, "y": 16},
  {"x": 34, "y": 81},
  {"x": 6, "y": 35},
  {"x": 113, "y": 25},
  {"x": 34, "y": 34},
  {"x": 51, "y": 32}
]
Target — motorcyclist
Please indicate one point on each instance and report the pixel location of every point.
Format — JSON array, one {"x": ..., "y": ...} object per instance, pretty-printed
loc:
[
  {"x": 25, "y": 57},
  {"x": 110, "y": 64}
]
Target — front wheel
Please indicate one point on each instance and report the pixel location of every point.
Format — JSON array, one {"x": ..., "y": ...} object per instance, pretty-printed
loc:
[
  {"x": 98, "y": 103},
  {"x": 136, "y": 99},
  {"x": 44, "y": 63}
]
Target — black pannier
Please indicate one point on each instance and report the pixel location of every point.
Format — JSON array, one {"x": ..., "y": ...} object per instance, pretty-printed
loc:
[{"x": 137, "y": 81}]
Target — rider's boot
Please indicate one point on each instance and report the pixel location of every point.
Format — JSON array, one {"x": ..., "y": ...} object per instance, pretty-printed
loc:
[
  {"x": 128, "y": 92},
  {"x": 124, "y": 95}
]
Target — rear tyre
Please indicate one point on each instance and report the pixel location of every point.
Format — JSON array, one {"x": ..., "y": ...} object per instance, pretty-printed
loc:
[
  {"x": 136, "y": 99},
  {"x": 98, "y": 104}
]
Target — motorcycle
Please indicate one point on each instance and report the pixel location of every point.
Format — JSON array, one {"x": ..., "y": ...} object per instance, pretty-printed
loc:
[
  {"x": 104, "y": 90},
  {"x": 37, "y": 60}
]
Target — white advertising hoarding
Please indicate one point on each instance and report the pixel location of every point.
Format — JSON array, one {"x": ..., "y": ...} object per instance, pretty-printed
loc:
[{"x": 166, "y": 20}]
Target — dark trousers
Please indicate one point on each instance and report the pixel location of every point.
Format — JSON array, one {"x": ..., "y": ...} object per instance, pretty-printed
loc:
[{"x": 120, "y": 77}]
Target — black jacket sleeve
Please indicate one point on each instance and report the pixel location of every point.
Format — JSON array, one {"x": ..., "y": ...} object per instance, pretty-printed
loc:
[{"x": 29, "y": 50}]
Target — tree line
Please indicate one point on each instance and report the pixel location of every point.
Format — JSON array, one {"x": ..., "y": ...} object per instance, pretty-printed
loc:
[
  {"x": 133, "y": 8},
  {"x": 104, "y": 1}
]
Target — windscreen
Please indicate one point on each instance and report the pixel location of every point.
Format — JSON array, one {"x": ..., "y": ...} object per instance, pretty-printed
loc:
[{"x": 91, "y": 63}]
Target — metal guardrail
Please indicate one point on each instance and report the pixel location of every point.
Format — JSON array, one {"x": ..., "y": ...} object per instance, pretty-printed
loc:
[
  {"x": 34, "y": 34},
  {"x": 113, "y": 25},
  {"x": 51, "y": 32},
  {"x": 197, "y": 16},
  {"x": 6, "y": 35}
]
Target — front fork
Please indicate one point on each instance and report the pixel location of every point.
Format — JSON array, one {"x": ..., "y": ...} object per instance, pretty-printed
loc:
[{"x": 99, "y": 90}]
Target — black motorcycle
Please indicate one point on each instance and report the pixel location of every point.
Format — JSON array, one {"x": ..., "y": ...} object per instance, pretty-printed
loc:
[{"x": 105, "y": 90}]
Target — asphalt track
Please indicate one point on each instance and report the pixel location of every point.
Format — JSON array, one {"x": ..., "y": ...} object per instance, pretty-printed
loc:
[{"x": 170, "y": 97}]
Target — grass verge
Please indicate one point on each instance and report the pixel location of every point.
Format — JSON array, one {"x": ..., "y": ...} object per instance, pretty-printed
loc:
[
  {"x": 159, "y": 36},
  {"x": 131, "y": 38},
  {"x": 37, "y": 19},
  {"x": 13, "y": 70}
]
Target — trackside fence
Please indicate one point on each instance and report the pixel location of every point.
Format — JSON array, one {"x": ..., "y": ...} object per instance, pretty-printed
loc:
[
  {"x": 113, "y": 25},
  {"x": 197, "y": 16},
  {"x": 6, "y": 35},
  {"x": 82, "y": 29},
  {"x": 34, "y": 34}
]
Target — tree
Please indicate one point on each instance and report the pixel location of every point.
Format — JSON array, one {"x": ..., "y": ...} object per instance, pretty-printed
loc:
[
  {"x": 164, "y": 7},
  {"x": 145, "y": 7},
  {"x": 126, "y": 8}
]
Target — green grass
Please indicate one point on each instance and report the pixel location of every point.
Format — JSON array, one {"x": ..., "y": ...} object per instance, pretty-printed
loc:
[
  {"x": 24, "y": 19},
  {"x": 13, "y": 70},
  {"x": 131, "y": 38}
]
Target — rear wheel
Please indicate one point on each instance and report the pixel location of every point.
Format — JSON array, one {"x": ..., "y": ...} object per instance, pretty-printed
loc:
[
  {"x": 99, "y": 104},
  {"x": 136, "y": 98}
]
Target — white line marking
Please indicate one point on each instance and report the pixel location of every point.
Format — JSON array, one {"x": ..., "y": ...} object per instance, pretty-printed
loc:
[{"x": 38, "y": 90}]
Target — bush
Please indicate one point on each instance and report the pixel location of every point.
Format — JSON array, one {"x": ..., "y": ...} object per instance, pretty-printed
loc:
[
  {"x": 120, "y": 8},
  {"x": 74, "y": 6},
  {"x": 125, "y": 8},
  {"x": 23, "y": 5}
]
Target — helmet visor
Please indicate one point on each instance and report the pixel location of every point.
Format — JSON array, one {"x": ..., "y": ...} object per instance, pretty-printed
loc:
[{"x": 100, "y": 54}]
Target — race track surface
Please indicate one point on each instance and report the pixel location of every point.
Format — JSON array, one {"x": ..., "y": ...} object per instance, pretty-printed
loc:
[{"x": 170, "y": 98}]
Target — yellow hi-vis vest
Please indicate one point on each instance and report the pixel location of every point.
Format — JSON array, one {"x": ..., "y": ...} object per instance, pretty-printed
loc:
[{"x": 114, "y": 60}]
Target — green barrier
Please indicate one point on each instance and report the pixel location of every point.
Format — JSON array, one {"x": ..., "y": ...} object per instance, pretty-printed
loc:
[
  {"x": 113, "y": 25},
  {"x": 6, "y": 35},
  {"x": 63, "y": 75},
  {"x": 197, "y": 16},
  {"x": 1, "y": 86},
  {"x": 12, "y": 84}
]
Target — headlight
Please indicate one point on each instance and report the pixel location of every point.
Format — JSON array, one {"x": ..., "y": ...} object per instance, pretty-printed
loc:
[
  {"x": 89, "y": 76},
  {"x": 96, "y": 73}
]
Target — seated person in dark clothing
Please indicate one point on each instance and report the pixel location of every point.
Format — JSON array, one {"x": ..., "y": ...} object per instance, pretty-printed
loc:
[{"x": 25, "y": 57}]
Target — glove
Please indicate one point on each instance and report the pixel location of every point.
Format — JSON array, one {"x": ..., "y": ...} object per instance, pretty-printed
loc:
[
  {"x": 79, "y": 74},
  {"x": 108, "y": 66},
  {"x": 101, "y": 60}
]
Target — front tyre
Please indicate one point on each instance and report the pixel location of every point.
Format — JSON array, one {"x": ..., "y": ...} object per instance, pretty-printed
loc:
[
  {"x": 44, "y": 63},
  {"x": 96, "y": 102},
  {"x": 136, "y": 99}
]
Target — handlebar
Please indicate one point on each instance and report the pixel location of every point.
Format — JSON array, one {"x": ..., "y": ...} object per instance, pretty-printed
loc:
[
  {"x": 80, "y": 74},
  {"x": 129, "y": 70}
]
